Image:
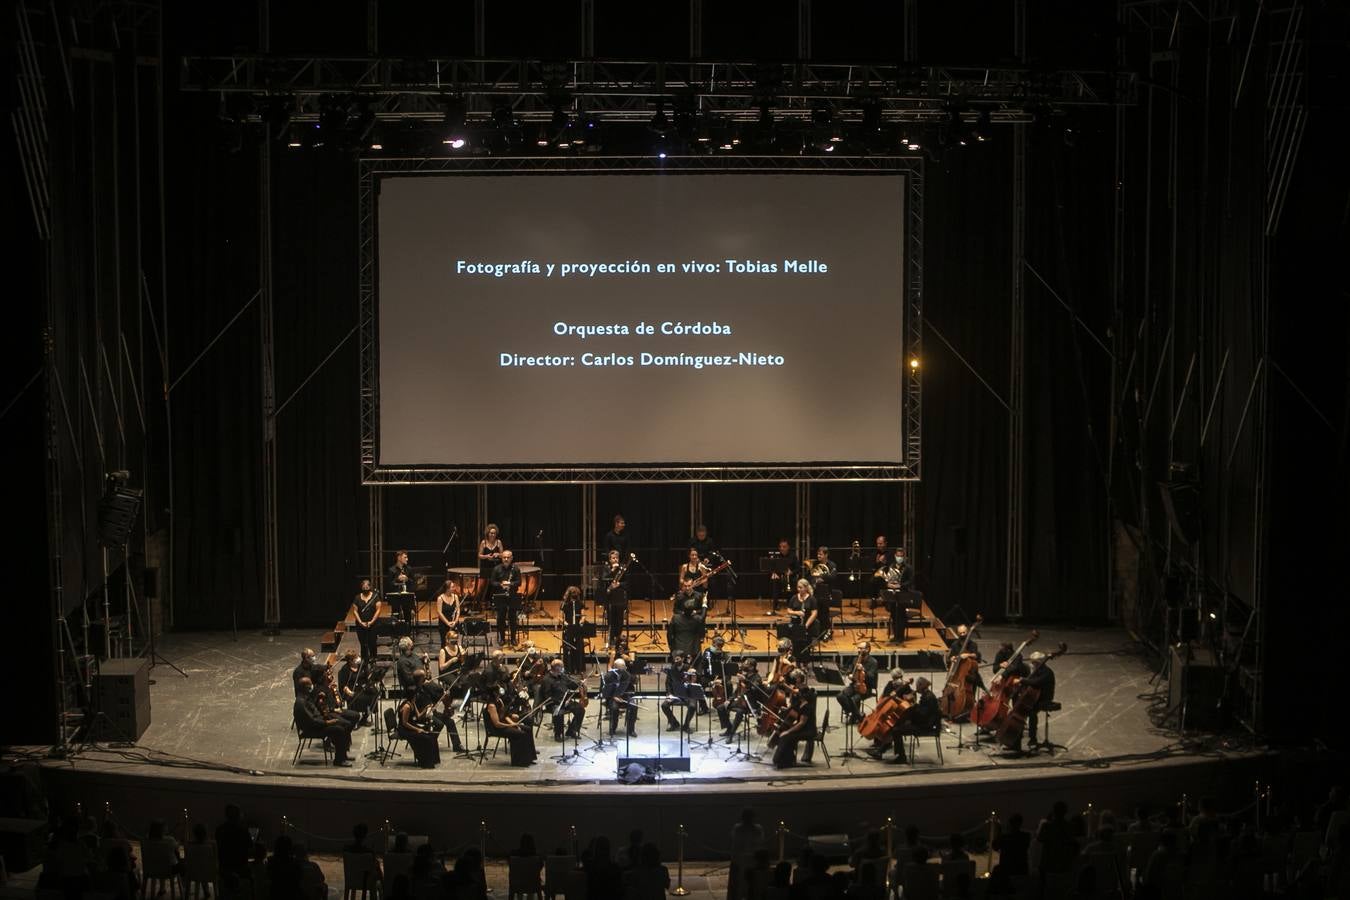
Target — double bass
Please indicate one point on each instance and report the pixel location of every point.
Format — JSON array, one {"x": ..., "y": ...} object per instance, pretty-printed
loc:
[
  {"x": 958, "y": 696},
  {"x": 994, "y": 705},
  {"x": 1009, "y": 733}
]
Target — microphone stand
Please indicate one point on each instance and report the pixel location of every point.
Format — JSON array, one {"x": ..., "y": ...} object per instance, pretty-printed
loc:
[{"x": 654, "y": 641}]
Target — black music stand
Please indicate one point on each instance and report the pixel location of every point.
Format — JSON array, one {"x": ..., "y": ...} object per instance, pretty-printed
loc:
[
  {"x": 775, "y": 564},
  {"x": 744, "y": 734},
  {"x": 654, "y": 641}
]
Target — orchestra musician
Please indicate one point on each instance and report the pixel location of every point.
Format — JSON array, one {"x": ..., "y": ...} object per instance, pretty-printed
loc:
[
  {"x": 972, "y": 651},
  {"x": 748, "y": 692},
  {"x": 366, "y": 608},
  {"x": 310, "y": 721},
  {"x": 489, "y": 550},
  {"x": 427, "y": 694},
  {"x": 617, "y": 538},
  {"x": 901, "y": 688},
  {"x": 781, "y": 587},
  {"x": 1042, "y": 678},
  {"x": 684, "y": 633},
  {"x": 784, "y": 664},
  {"x": 823, "y": 569},
  {"x": 416, "y": 727},
  {"x": 354, "y": 687},
  {"x": 798, "y": 725},
  {"x": 406, "y": 663},
  {"x": 854, "y": 692},
  {"x": 692, "y": 596},
  {"x": 572, "y": 610},
  {"x": 449, "y": 608},
  {"x": 399, "y": 580},
  {"x": 613, "y": 589},
  {"x": 1003, "y": 662},
  {"x": 882, "y": 557},
  {"x": 558, "y": 693},
  {"x": 519, "y": 735},
  {"x": 617, "y": 693},
  {"x": 803, "y": 610},
  {"x": 714, "y": 660},
  {"x": 896, "y": 580},
  {"x": 923, "y": 717},
  {"x": 707, "y": 552},
  {"x": 305, "y": 668},
  {"x": 505, "y": 581},
  {"x": 678, "y": 679}
]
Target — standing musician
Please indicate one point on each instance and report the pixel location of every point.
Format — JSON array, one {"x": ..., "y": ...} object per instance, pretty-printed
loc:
[
  {"x": 692, "y": 570},
  {"x": 489, "y": 550},
  {"x": 678, "y": 679},
  {"x": 972, "y": 651},
  {"x": 572, "y": 610},
  {"x": 896, "y": 582},
  {"x": 354, "y": 687},
  {"x": 684, "y": 633},
  {"x": 617, "y": 538},
  {"x": 415, "y": 725},
  {"x": 747, "y": 691},
  {"x": 617, "y": 692},
  {"x": 311, "y": 721},
  {"x": 558, "y": 693},
  {"x": 862, "y": 683},
  {"x": 505, "y": 581},
  {"x": 449, "y": 608},
  {"x": 519, "y": 735},
  {"x": 781, "y": 586},
  {"x": 1040, "y": 677},
  {"x": 613, "y": 592},
  {"x": 798, "y": 725},
  {"x": 882, "y": 557},
  {"x": 366, "y": 607},
  {"x": 399, "y": 580},
  {"x": 901, "y": 688}
]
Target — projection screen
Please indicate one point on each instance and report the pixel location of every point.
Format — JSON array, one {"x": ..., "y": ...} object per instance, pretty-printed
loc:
[{"x": 611, "y": 320}]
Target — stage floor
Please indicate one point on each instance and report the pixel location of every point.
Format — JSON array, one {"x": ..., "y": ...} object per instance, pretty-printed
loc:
[{"x": 233, "y": 711}]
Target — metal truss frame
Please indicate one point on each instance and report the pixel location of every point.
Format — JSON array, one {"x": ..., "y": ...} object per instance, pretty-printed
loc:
[
  {"x": 625, "y": 90},
  {"x": 372, "y": 473}
]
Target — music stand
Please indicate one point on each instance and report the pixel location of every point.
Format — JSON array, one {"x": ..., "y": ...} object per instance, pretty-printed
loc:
[
  {"x": 402, "y": 602},
  {"x": 744, "y": 734},
  {"x": 773, "y": 564}
]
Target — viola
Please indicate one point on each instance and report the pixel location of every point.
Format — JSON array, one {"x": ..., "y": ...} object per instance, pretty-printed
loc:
[{"x": 958, "y": 694}]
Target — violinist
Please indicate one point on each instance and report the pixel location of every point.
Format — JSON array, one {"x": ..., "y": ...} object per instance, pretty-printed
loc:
[
  {"x": 448, "y": 608},
  {"x": 451, "y": 655},
  {"x": 900, "y": 688},
  {"x": 505, "y": 582},
  {"x": 741, "y": 698},
  {"x": 781, "y": 587},
  {"x": 677, "y": 694},
  {"x": 1041, "y": 678},
  {"x": 310, "y": 721},
  {"x": 798, "y": 725},
  {"x": 366, "y": 609},
  {"x": 415, "y": 724},
  {"x": 406, "y": 663},
  {"x": 617, "y": 693},
  {"x": 558, "y": 693},
  {"x": 862, "y": 683},
  {"x": 354, "y": 687},
  {"x": 613, "y": 590},
  {"x": 517, "y": 734}
]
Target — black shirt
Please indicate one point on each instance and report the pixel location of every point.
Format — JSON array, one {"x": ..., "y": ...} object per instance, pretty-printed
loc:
[
  {"x": 367, "y": 608},
  {"x": 927, "y": 713},
  {"x": 503, "y": 572},
  {"x": 971, "y": 647},
  {"x": 608, "y": 577},
  {"x": 307, "y": 715},
  {"x": 787, "y": 582},
  {"x": 894, "y": 688},
  {"x": 346, "y": 677},
  {"x": 705, "y": 547},
  {"x": 553, "y": 689},
  {"x": 1017, "y": 669},
  {"x": 615, "y": 541},
  {"x": 394, "y": 586},
  {"x": 869, "y": 666},
  {"x": 685, "y": 633},
  {"x": 1042, "y": 678},
  {"x": 404, "y": 666},
  {"x": 617, "y": 683}
]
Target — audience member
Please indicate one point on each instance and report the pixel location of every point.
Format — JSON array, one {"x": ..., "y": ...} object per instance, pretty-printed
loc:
[
  {"x": 233, "y": 843},
  {"x": 1058, "y": 846},
  {"x": 1014, "y": 848},
  {"x": 647, "y": 878}
]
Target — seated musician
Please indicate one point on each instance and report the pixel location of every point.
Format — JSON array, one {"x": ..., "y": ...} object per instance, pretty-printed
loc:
[
  {"x": 617, "y": 693},
  {"x": 693, "y": 594},
  {"x": 354, "y": 685},
  {"x": 678, "y": 695},
  {"x": 1040, "y": 678},
  {"x": 452, "y": 653},
  {"x": 1006, "y": 666},
  {"x": 713, "y": 661},
  {"x": 327, "y": 696},
  {"x": 800, "y": 731},
  {"x": 854, "y": 693},
  {"x": 745, "y": 693},
  {"x": 429, "y": 692},
  {"x": 782, "y": 587},
  {"x": 310, "y": 721},
  {"x": 900, "y": 688},
  {"x": 406, "y": 663},
  {"x": 415, "y": 726},
  {"x": 896, "y": 590},
  {"x": 305, "y": 669},
  {"x": 613, "y": 593},
  {"x": 823, "y": 569},
  {"x": 505, "y": 585},
  {"x": 558, "y": 693},
  {"x": 882, "y": 559},
  {"x": 972, "y": 651},
  {"x": 518, "y": 734},
  {"x": 923, "y": 719}
]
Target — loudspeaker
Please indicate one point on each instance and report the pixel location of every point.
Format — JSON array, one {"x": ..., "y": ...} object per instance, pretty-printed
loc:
[
  {"x": 117, "y": 510},
  {"x": 1197, "y": 683},
  {"x": 122, "y": 695}
]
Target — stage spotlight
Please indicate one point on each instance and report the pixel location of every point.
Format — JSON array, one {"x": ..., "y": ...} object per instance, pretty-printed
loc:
[
  {"x": 914, "y": 362},
  {"x": 454, "y": 143},
  {"x": 983, "y": 127},
  {"x": 293, "y": 137},
  {"x": 541, "y": 139},
  {"x": 453, "y": 123}
]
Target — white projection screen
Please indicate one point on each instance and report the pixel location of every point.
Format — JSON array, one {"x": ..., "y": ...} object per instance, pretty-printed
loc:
[{"x": 604, "y": 321}]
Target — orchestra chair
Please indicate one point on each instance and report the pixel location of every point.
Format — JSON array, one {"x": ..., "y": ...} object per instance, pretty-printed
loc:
[
  {"x": 820, "y": 738},
  {"x": 523, "y": 877},
  {"x": 958, "y": 877},
  {"x": 360, "y": 876},
  {"x": 557, "y": 869},
  {"x": 201, "y": 869},
  {"x": 396, "y": 864},
  {"x": 912, "y": 743},
  {"x": 305, "y": 740},
  {"x": 921, "y": 881},
  {"x": 390, "y": 734}
]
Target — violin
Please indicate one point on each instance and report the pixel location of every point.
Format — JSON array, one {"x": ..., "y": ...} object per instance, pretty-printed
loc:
[
  {"x": 958, "y": 694},
  {"x": 860, "y": 678}
]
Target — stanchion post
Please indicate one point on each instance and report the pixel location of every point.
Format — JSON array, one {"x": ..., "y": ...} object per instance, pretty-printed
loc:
[
  {"x": 890, "y": 854},
  {"x": 1091, "y": 823},
  {"x": 782, "y": 841},
  {"x": 388, "y": 835},
  {"x": 482, "y": 848},
  {"x": 187, "y": 827},
  {"x": 1183, "y": 811},
  {"x": 1258, "y": 806},
  {"x": 576, "y": 854},
  {"x": 680, "y": 889},
  {"x": 993, "y": 833}
]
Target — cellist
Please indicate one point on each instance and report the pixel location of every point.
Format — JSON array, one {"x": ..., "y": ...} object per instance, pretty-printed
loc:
[
  {"x": 898, "y": 687},
  {"x": 862, "y": 683}
]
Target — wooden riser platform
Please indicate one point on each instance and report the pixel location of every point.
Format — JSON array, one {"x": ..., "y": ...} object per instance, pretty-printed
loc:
[{"x": 752, "y": 633}]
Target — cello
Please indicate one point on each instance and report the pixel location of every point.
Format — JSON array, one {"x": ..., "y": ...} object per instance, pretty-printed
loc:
[
  {"x": 994, "y": 705},
  {"x": 957, "y": 694},
  {"x": 1009, "y": 734},
  {"x": 879, "y": 725}
]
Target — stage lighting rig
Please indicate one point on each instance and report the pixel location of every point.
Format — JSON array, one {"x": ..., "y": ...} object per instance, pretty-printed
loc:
[{"x": 453, "y": 128}]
